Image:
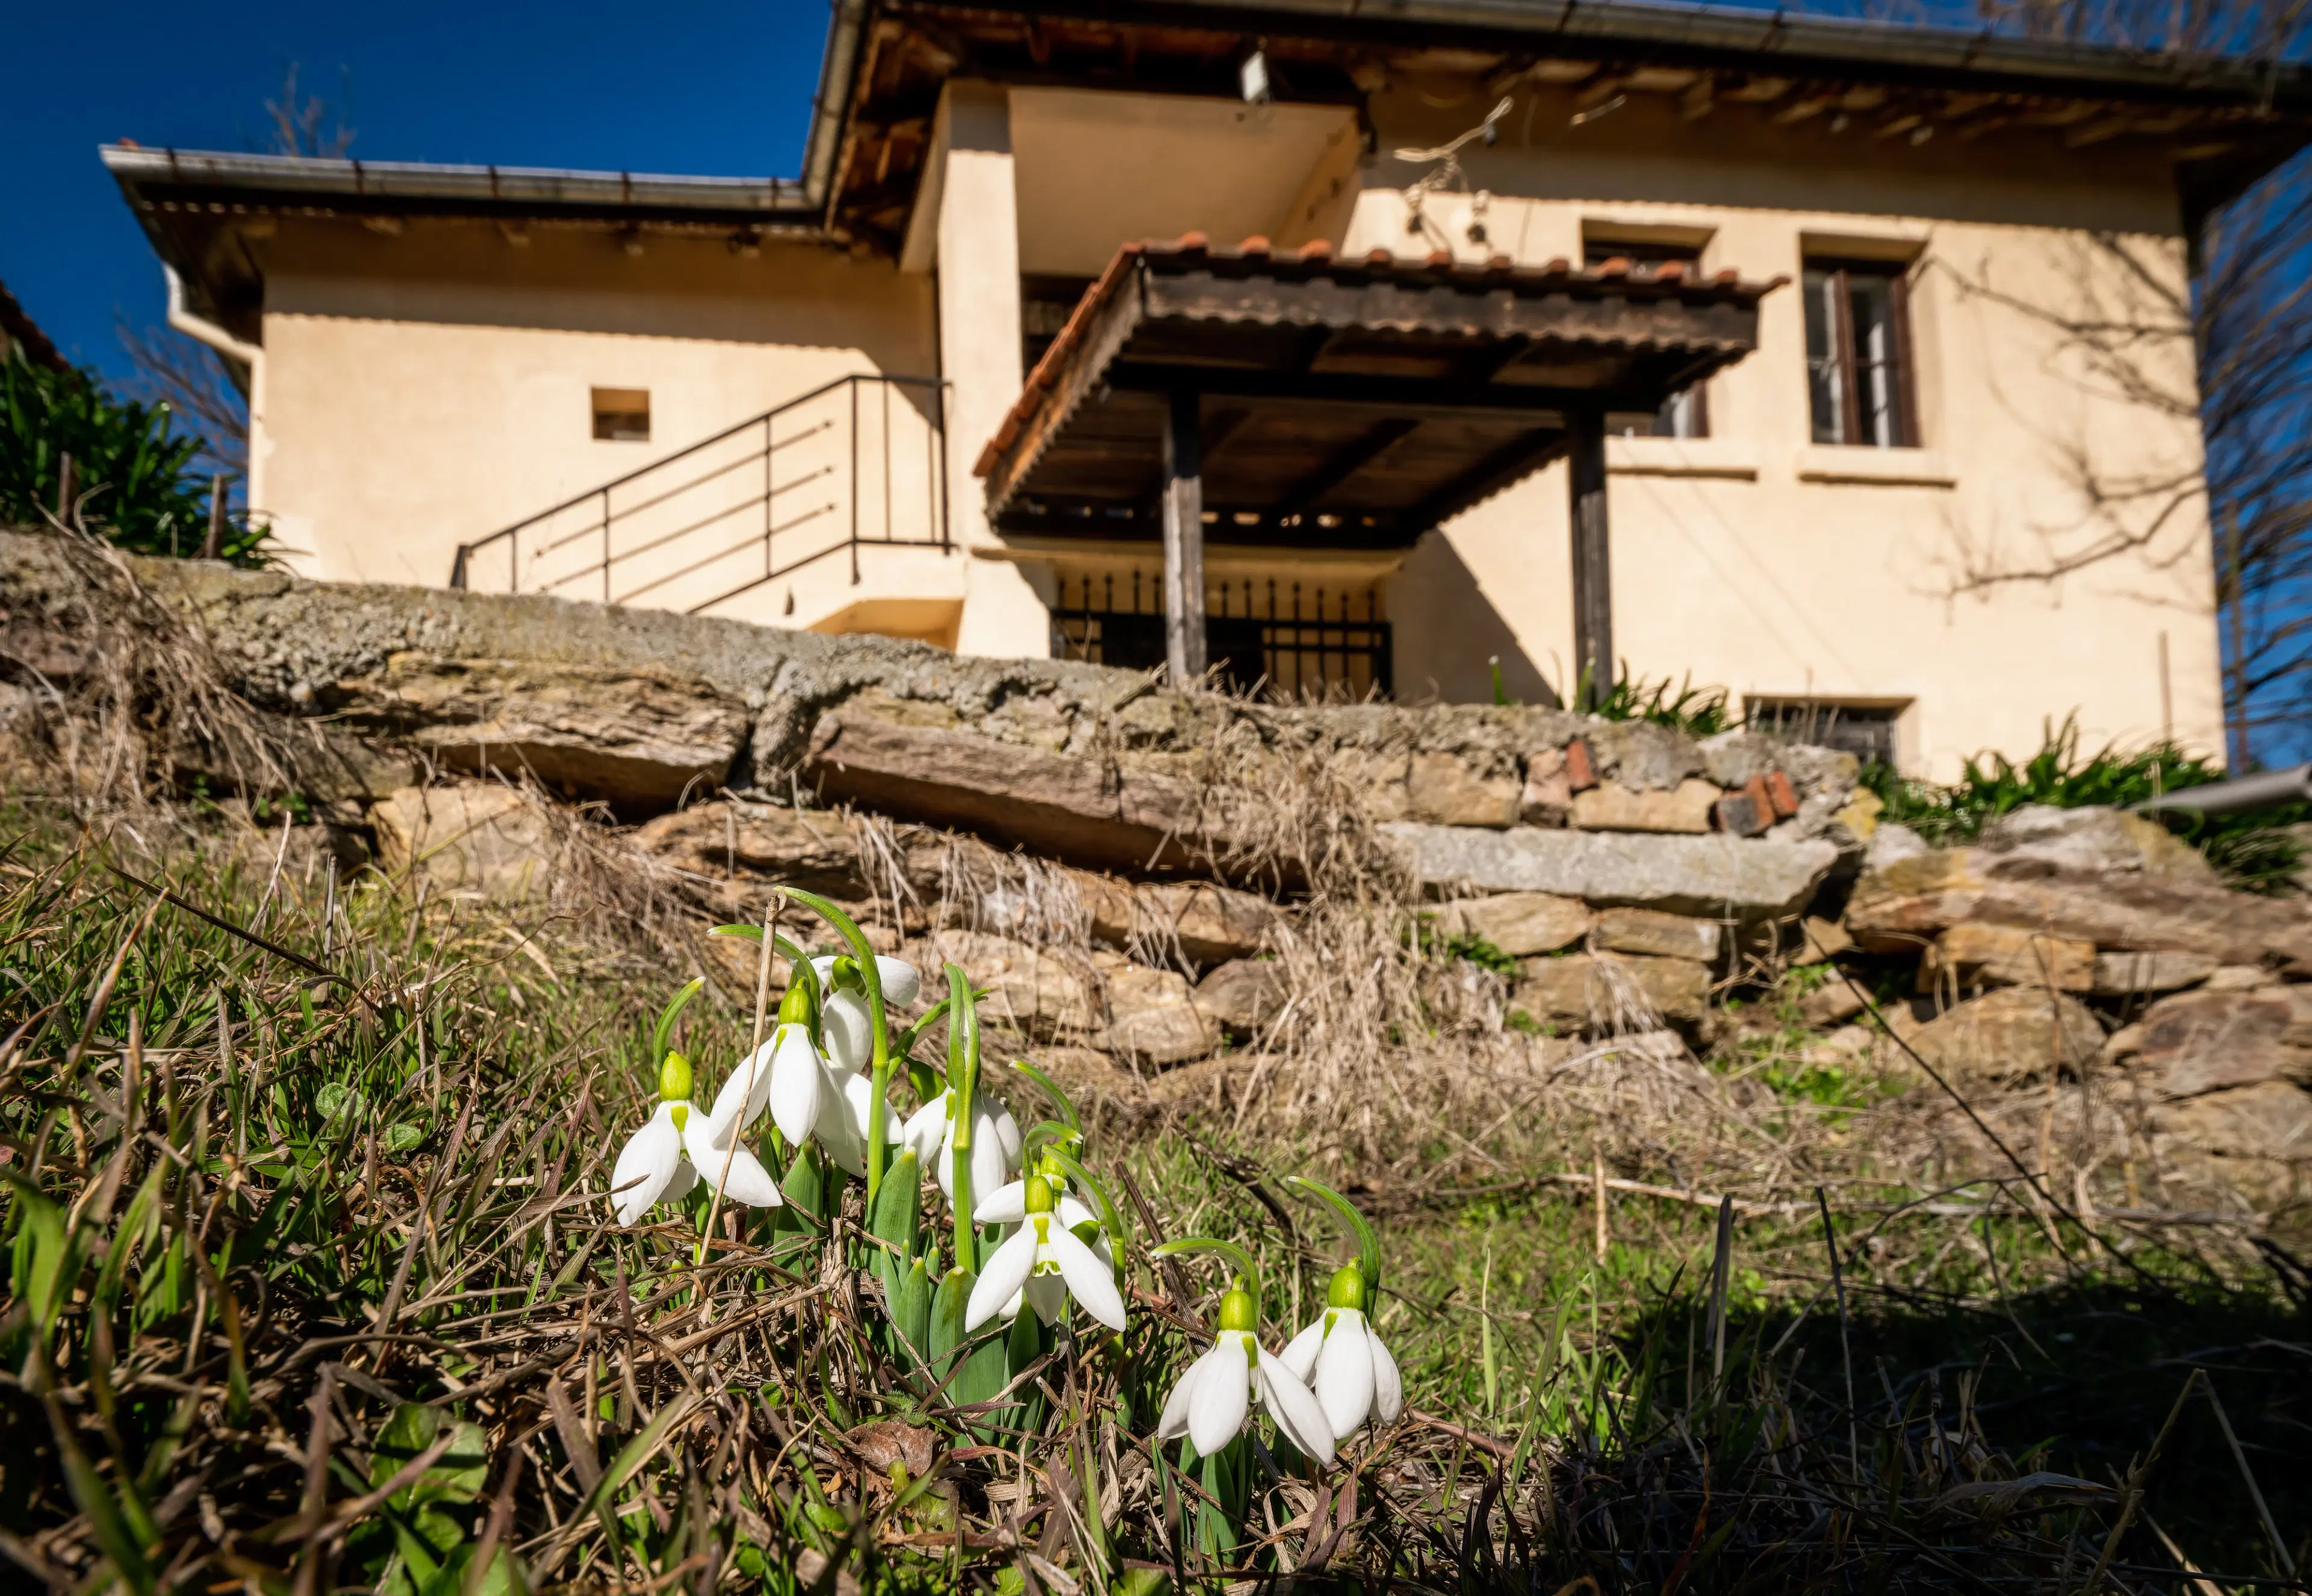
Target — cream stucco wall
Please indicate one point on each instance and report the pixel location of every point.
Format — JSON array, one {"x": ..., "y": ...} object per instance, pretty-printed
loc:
[
  {"x": 1759, "y": 561},
  {"x": 425, "y": 388}
]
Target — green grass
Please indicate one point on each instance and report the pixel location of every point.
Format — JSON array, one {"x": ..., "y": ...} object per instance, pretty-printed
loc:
[
  {"x": 2252, "y": 851},
  {"x": 278, "y": 1242}
]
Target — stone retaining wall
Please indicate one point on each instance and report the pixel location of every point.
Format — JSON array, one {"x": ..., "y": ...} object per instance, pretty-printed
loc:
[{"x": 1116, "y": 862}]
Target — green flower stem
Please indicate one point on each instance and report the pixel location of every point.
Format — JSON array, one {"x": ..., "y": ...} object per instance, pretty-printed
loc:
[
  {"x": 1245, "y": 1269},
  {"x": 963, "y": 1089},
  {"x": 879, "y": 1107},
  {"x": 1368, "y": 1243},
  {"x": 1059, "y": 1099},
  {"x": 665, "y": 1026}
]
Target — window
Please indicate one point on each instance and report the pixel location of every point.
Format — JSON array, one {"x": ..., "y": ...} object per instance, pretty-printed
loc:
[
  {"x": 622, "y": 414},
  {"x": 1686, "y": 414},
  {"x": 1858, "y": 366},
  {"x": 1276, "y": 635},
  {"x": 1866, "y": 730}
]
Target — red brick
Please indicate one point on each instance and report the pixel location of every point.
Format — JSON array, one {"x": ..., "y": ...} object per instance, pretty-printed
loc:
[
  {"x": 1784, "y": 796},
  {"x": 1580, "y": 770}
]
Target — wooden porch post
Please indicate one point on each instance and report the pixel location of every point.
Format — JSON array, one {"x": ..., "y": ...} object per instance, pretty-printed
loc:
[
  {"x": 1593, "y": 566},
  {"x": 1184, "y": 539}
]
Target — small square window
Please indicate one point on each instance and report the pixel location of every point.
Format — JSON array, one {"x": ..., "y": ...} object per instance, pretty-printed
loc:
[{"x": 622, "y": 414}]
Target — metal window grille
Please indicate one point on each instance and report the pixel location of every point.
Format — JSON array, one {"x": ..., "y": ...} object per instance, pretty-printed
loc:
[
  {"x": 1866, "y": 730},
  {"x": 1283, "y": 637}
]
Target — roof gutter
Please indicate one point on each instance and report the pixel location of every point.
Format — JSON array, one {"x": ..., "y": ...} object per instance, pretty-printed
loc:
[
  {"x": 830, "y": 105},
  {"x": 203, "y": 329},
  {"x": 1701, "y": 34}
]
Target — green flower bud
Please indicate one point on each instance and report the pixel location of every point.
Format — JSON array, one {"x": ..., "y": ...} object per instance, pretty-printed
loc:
[
  {"x": 795, "y": 1008},
  {"x": 1348, "y": 1288},
  {"x": 844, "y": 975},
  {"x": 1039, "y": 1197},
  {"x": 1238, "y": 1312},
  {"x": 674, "y": 1078}
]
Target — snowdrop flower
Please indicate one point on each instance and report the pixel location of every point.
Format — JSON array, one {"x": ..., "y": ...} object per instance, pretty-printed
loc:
[
  {"x": 996, "y": 1144},
  {"x": 841, "y": 1124},
  {"x": 1219, "y": 1391},
  {"x": 651, "y": 1168},
  {"x": 844, "y": 1020},
  {"x": 1008, "y": 1205},
  {"x": 711, "y": 1143},
  {"x": 1045, "y": 1250},
  {"x": 1342, "y": 1361}
]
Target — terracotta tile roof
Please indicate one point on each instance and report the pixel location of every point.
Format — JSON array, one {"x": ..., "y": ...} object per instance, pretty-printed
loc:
[
  {"x": 1255, "y": 256},
  {"x": 20, "y": 329}
]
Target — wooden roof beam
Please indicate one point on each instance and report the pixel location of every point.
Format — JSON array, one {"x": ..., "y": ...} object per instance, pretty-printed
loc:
[{"x": 1799, "y": 111}]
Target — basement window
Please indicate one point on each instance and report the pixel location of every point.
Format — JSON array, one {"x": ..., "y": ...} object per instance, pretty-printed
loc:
[
  {"x": 1866, "y": 731},
  {"x": 622, "y": 414}
]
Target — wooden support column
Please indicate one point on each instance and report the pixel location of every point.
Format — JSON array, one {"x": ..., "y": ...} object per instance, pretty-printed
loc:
[
  {"x": 1184, "y": 539},
  {"x": 1593, "y": 562}
]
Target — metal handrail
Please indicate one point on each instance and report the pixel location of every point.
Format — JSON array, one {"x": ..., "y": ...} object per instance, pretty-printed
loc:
[{"x": 934, "y": 386}]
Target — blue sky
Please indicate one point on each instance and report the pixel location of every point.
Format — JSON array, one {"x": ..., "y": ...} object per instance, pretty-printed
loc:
[{"x": 677, "y": 86}]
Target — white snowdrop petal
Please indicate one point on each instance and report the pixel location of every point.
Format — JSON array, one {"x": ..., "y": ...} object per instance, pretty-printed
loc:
[
  {"x": 1074, "y": 1213},
  {"x": 1224, "y": 1396},
  {"x": 1086, "y": 1272},
  {"x": 989, "y": 1168},
  {"x": 1344, "y": 1386},
  {"x": 796, "y": 1084},
  {"x": 1388, "y": 1385},
  {"x": 1007, "y": 1130},
  {"x": 1048, "y": 1295},
  {"x": 1297, "y": 1413},
  {"x": 1006, "y": 1204},
  {"x": 1299, "y": 1353},
  {"x": 1004, "y": 1273},
  {"x": 901, "y": 984},
  {"x": 1173, "y": 1422},
  {"x": 645, "y": 1166},
  {"x": 850, "y": 1037},
  {"x": 925, "y": 1129},
  {"x": 679, "y": 1187},
  {"x": 747, "y": 1180}
]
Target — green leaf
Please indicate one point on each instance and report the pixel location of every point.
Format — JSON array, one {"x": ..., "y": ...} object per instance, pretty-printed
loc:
[
  {"x": 911, "y": 1309},
  {"x": 402, "y": 1136},
  {"x": 898, "y": 1219},
  {"x": 805, "y": 1190},
  {"x": 947, "y": 1303},
  {"x": 455, "y": 1476},
  {"x": 47, "y": 1260}
]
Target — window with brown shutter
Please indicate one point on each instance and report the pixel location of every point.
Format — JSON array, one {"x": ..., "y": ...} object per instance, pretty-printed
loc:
[{"x": 1861, "y": 376}]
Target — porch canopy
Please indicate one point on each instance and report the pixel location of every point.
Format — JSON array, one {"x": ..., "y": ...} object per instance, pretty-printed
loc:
[{"x": 1291, "y": 399}]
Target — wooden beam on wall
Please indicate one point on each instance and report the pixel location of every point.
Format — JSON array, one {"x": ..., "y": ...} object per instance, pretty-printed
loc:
[
  {"x": 1183, "y": 539},
  {"x": 1593, "y": 574}
]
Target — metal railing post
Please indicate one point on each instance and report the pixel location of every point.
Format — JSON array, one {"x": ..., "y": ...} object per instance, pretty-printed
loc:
[
  {"x": 606, "y": 546},
  {"x": 938, "y": 418},
  {"x": 853, "y": 485},
  {"x": 458, "y": 568}
]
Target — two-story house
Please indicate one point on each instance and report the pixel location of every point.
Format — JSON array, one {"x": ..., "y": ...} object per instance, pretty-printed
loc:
[{"x": 1403, "y": 349}]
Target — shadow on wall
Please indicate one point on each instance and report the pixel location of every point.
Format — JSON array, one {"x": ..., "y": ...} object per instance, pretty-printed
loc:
[{"x": 1447, "y": 634}]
